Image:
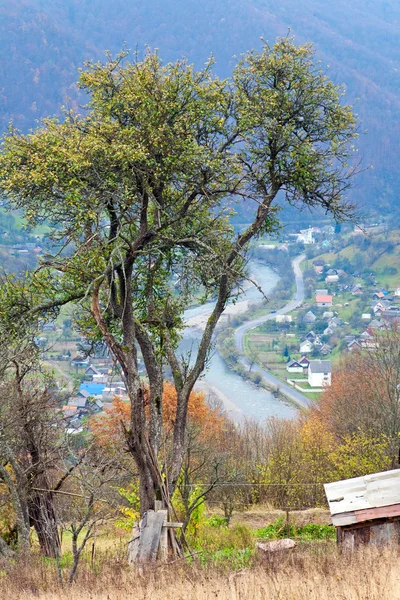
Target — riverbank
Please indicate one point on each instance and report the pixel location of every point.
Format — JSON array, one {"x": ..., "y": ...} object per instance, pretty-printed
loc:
[
  {"x": 248, "y": 366},
  {"x": 217, "y": 399},
  {"x": 253, "y": 401},
  {"x": 200, "y": 321}
]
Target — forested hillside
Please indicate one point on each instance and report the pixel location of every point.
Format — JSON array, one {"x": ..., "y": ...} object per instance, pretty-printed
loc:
[{"x": 43, "y": 43}]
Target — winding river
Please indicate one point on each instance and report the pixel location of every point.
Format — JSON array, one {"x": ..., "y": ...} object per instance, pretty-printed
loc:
[{"x": 244, "y": 398}]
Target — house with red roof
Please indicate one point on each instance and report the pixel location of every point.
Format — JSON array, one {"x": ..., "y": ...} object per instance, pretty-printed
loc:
[{"x": 324, "y": 300}]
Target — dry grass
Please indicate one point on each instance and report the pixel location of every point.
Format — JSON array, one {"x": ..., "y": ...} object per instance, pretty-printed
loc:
[
  {"x": 261, "y": 515},
  {"x": 311, "y": 573}
]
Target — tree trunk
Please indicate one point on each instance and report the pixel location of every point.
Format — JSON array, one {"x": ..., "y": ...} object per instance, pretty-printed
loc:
[
  {"x": 149, "y": 483},
  {"x": 5, "y": 550},
  {"x": 43, "y": 517}
]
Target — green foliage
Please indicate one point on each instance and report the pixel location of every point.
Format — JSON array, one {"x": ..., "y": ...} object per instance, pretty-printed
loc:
[
  {"x": 232, "y": 547},
  {"x": 65, "y": 561},
  {"x": 230, "y": 558},
  {"x": 184, "y": 140},
  {"x": 217, "y": 521},
  {"x": 198, "y": 514},
  {"x": 130, "y": 513},
  {"x": 311, "y": 531}
]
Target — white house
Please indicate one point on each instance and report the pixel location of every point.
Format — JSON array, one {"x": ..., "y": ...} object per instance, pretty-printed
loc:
[
  {"x": 328, "y": 314},
  {"x": 283, "y": 318},
  {"x": 305, "y": 236},
  {"x": 320, "y": 373},
  {"x": 397, "y": 291},
  {"x": 317, "y": 342},
  {"x": 100, "y": 378},
  {"x": 306, "y": 346},
  {"x": 293, "y": 366},
  {"x": 331, "y": 278},
  {"x": 323, "y": 300}
]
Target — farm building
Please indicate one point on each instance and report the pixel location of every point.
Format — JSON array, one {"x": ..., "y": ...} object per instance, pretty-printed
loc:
[{"x": 366, "y": 510}]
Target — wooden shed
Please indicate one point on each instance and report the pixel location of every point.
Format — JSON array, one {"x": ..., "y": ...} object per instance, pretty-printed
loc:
[{"x": 366, "y": 510}]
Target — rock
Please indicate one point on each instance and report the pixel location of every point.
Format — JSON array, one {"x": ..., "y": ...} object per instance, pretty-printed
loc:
[{"x": 276, "y": 545}]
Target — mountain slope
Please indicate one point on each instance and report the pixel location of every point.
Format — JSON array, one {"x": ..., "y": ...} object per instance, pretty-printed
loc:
[{"x": 43, "y": 42}]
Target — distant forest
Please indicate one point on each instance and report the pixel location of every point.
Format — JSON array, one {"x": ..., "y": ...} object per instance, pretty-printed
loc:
[{"x": 44, "y": 42}]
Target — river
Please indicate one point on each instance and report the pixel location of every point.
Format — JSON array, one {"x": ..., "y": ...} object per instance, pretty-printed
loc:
[{"x": 246, "y": 399}]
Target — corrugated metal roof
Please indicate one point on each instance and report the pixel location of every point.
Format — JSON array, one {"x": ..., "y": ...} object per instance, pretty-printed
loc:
[{"x": 369, "y": 491}]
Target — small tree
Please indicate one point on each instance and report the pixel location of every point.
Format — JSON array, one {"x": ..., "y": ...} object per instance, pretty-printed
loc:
[{"x": 30, "y": 450}]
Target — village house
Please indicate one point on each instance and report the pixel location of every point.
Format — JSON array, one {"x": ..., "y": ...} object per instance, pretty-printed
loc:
[
  {"x": 100, "y": 378},
  {"x": 353, "y": 345},
  {"x": 397, "y": 291},
  {"x": 366, "y": 510},
  {"x": 310, "y": 336},
  {"x": 306, "y": 346},
  {"x": 318, "y": 262},
  {"x": 391, "y": 315},
  {"x": 328, "y": 314},
  {"x": 78, "y": 401},
  {"x": 91, "y": 370},
  {"x": 366, "y": 317},
  {"x": 309, "y": 317},
  {"x": 293, "y": 366},
  {"x": 357, "y": 290},
  {"x": 70, "y": 412},
  {"x": 323, "y": 300},
  {"x": 366, "y": 340},
  {"x": 304, "y": 362},
  {"x": 335, "y": 322},
  {"x": 283, "y": 318},
  {"x": 320, "y": 373},
  {"x": 80, "y": 362},
  {"x": 376, "y": 324},
  {"x": 331, "y": 278},
  {"x": 325, "y": 350},
  {"x": 305, "y": 237}
]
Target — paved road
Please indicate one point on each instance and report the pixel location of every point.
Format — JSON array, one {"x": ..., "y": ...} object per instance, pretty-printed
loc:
[{"x": 296, "y": 301}]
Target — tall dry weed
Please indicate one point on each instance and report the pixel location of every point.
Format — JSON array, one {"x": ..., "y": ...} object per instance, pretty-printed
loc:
[{"x": 315, "y": 572}]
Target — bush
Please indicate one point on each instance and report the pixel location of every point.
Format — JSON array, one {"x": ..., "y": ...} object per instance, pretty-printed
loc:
[
  {"x": 279, "y": 529},
  {"x": 217, "y": 521},
  {"x": 256, "y": 378}
]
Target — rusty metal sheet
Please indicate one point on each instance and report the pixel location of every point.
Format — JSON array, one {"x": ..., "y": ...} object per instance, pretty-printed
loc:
[{"x": 344, "y": 519}]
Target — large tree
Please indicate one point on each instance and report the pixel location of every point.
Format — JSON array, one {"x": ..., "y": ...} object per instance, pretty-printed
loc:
[{"x": 139, "y": 188}]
